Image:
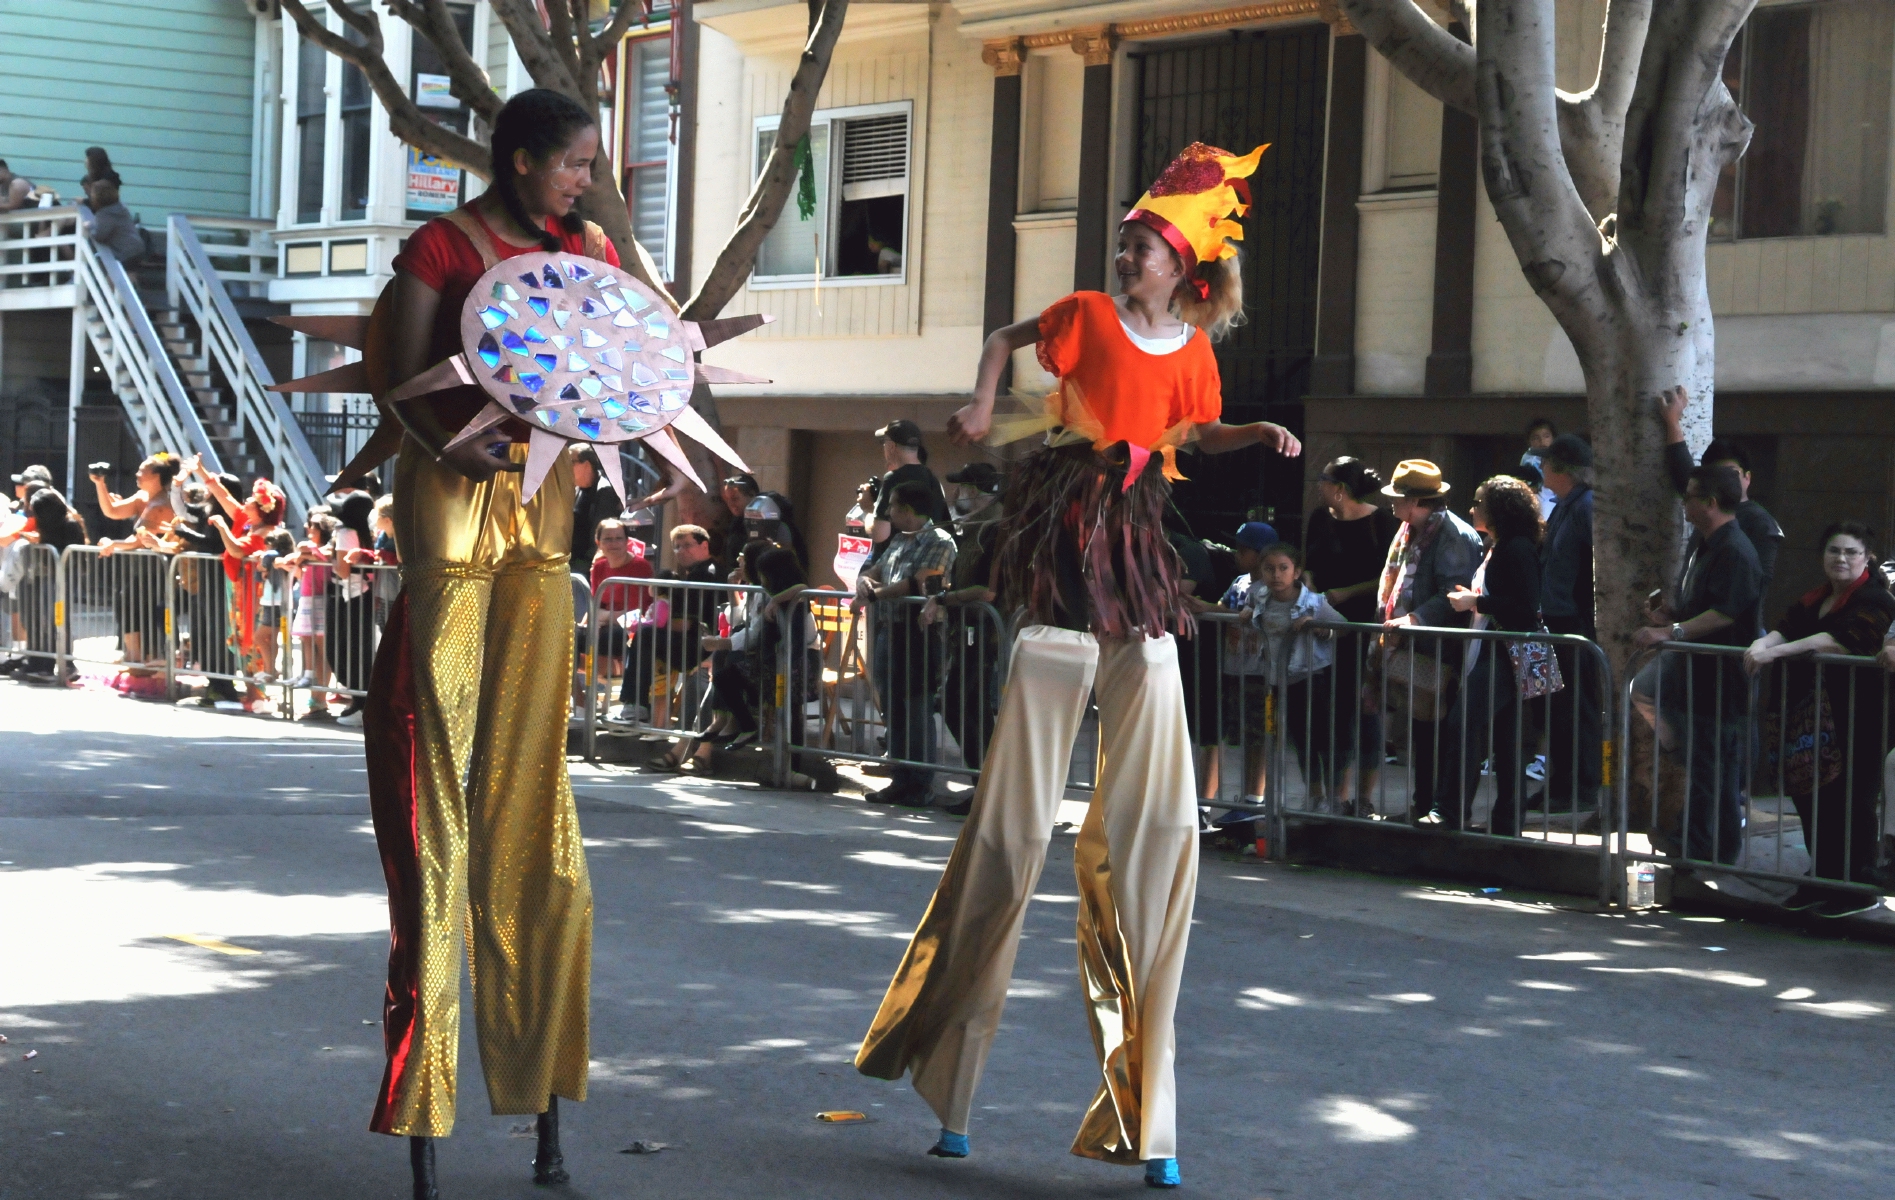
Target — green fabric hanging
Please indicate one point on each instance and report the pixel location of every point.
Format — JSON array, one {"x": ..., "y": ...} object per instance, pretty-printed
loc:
[{"x": 805, "y": 179}]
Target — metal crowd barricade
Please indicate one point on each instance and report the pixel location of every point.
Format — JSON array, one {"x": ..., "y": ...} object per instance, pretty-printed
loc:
[
  {"x": 114, "y": 611},
  {"x": 31, "y": 610},
  {"x": 1414, "y": 724},
  {"x": 900, "y": 693},
  {"x": 1719, "y": 763},
  {"x": 664, "y": 688},
  {"x": 326, "y": 647}
]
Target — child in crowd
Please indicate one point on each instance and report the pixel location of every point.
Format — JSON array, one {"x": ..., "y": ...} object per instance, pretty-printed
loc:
[
  {"x": 270, "y": 614},
  {"x": 309, "y": 567},
  {"x": 1245, "y": 689},
  {"x": 1295, "y": 656}
]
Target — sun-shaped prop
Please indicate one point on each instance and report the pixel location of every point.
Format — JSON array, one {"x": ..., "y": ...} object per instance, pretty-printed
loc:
[{"x": 572, "y": 347}]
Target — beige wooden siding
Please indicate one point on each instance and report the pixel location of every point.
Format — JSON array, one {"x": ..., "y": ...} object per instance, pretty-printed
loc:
[{"x": 879, "y": 73}]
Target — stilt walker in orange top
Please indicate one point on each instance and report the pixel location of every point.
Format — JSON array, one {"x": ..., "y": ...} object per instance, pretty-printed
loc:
[
  {"x": 1083, "y": 551},
  {"x": 510, "y": 331}
]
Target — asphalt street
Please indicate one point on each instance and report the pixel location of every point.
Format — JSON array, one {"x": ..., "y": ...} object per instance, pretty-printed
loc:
[{"x": 193, "y": 938}]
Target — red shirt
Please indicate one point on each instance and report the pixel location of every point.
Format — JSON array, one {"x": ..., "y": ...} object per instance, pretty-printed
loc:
[
  {"x": 620, "y": 597},
  {"x": 439, "y": 255}
]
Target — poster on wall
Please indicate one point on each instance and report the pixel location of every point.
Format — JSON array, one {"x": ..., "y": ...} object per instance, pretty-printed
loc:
[
  {"x": 434, "y": 185},
  {"x": 434, "y": 91}
]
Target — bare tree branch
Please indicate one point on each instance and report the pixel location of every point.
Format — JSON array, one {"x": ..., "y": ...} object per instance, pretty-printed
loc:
[
  {"x": 405, "y": 119},
  {"x": 1521, "y": 156},
  {"x": 615, "y": 29},
  {"x": 773, "y": 184},
  {"x": 1434, "y": 59},
  {"x": 1592, "y": 123},
  {"x": 468, "y": 81},
  {"x": 559, "y": 20},
  {"x": 534, "y": 46},
  {"x": 364, "y": 22}
]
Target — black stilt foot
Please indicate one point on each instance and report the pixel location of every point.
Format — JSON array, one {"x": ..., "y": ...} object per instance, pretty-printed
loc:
[
  {"x": 549, "y": 1166},
  {"x": 421, "y": 1158}
]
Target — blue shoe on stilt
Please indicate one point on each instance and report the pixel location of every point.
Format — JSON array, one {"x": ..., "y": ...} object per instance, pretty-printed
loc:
[
  {"x": 951, "y": 1145},
  {"x": 1162, "y": 1173}
]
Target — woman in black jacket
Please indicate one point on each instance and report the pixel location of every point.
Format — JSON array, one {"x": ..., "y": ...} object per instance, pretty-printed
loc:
[{"x": 1506, "y": 594}]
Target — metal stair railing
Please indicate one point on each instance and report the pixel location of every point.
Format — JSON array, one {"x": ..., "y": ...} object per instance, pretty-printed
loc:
[
  {"x": 128, "y": 347},
  {"x": 262, "y": 418}
]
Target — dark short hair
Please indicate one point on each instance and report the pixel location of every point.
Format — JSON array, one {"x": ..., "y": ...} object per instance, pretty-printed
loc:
[
  {"x": 1545, "y": 423},
  {"x": 744, "y": 482},
  {"x": 914, "y": 494},
  {"x": 1724, "y": 450},
  {"x": 1855, "y": 529},
  {"x": 696, "y": 533},
  {"x": 582, "y": 453},
  {"x": 1718, "y": 482},
  {"x": 1286, "y": 550}
]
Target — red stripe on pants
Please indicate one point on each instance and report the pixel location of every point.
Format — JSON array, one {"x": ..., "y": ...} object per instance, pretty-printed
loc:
[{"x": 388, "y": 727}]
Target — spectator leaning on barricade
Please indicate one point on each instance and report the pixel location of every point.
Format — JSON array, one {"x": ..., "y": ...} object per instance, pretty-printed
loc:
[
  {"x": 970, "y": 696},
  {"x": 244, "y": 544},
  {"x": 665, "y": 641},
  {"x": 1756, "y": 522},
  {"x": 592, "y": 501},
  {"x": 1244, "y": 683},
  {"x": 57, "y": 526},
  {"x": 138, "y": 580},
  {"x": 1541, "y": 434},
  {"x": 736, "y": 492},
  {"x": 1486, "y": 720},
  {"x": 1573, "y": 747},
  {"x": 1296, "y": 663},
  {"x": 350, "y": 603},
  {"x": 747, "y": 662},
  {"x": 1700, "y": 708},
  {"x": 1834, "y": 787},
  {"x": 907, "y": 655},
  {"x": 612, "y": 601},
  {"x": 1346, "y": 545},
  {"x": 1434, "y": 552},
  {"x": 907, "y": 458}
]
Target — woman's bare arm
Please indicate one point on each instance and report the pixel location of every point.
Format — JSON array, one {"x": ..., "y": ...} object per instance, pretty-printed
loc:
[{"x": 972, "y": 422}]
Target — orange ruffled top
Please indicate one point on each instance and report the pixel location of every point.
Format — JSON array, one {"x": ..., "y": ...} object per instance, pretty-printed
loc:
[{"x": 1113, "y": 391}]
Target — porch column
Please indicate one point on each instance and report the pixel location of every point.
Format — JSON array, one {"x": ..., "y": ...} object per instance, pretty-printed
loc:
[
  {"x": 1093, "y": 234},
  {"x": 1450, "y": 369},
  {"x": 1003, "y": 182},
  {"x": 1333, "y": 371}
]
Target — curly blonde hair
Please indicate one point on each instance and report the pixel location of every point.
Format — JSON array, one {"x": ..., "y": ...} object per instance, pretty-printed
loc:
[{"x": 1222, "y": 309}]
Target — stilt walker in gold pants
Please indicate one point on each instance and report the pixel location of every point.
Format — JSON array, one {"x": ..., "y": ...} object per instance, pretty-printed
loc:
[
  {"x": 465, "y": 721},
  {"x": 1081, "y": 554},
  {"x": 1136, "y": 863}
]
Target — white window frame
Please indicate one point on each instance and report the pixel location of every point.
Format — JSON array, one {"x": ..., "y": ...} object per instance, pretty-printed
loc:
[
  {"x": 828, "y": 116},
  {"x": 671, "y": 150}
]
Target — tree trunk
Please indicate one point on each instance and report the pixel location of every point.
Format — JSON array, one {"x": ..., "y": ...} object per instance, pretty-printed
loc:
[{"x": 1605, "y": 197}]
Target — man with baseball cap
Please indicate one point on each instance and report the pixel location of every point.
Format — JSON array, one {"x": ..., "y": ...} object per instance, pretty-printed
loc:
[
  {"x": 1572, "y": 750},
  {"x": 907, "y": 458},
  {"x": 33, "y": 474}
]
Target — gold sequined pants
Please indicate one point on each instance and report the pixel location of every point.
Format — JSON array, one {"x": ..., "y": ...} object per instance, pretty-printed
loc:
[
  {"x": 474, "y": 817},
  {"x": 1136, "y": 863}
]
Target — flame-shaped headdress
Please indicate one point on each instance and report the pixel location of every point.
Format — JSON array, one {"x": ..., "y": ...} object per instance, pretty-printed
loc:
[
  {"x": 1190, "y": 205},
  {"x": 572, "y": 347}
]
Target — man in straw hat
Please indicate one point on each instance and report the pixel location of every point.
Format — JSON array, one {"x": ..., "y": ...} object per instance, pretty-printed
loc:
[{"x": 1433, "y": 552}]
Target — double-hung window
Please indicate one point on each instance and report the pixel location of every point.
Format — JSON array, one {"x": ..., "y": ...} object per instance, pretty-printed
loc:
[
  {"x": 858, "y": 230},
  {"x": 650, "y": 154},
  {"x": 1815, "y": 79},
  {"x": 312, "y": 127}
]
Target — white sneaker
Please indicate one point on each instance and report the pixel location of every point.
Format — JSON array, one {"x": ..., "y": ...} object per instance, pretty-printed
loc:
[
  {"x": 305, "y": 680},
  {"x": 351, "y": 719}
]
